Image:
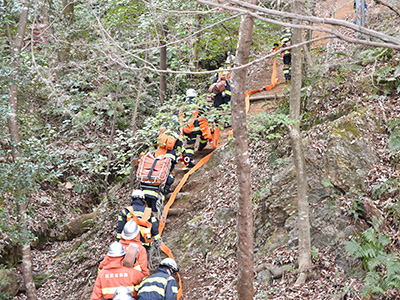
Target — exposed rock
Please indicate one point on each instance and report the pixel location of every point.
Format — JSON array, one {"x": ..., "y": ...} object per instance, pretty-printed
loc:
[
  {"x": 79, "y": 225},
  {"x": 346, "y": 165},
  {"x": 10, "y": 254},
  {"x": 9, "y": 283},
  {"x": 349, "y": 158}
]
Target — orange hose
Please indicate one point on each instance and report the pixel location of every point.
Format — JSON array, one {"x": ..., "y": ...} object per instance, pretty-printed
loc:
[
  {"x": 274, "y": 82},
  {"x": 171, "y": 200}
]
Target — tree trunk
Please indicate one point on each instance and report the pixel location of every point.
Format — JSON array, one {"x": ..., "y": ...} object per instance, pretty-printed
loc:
[
  {"x": 16, "y": 46},
  {"x": 298, "y": 152},
  {"x": 245, "y": 207},
  {"x": 163, "y": 66},
  {"x": 68, "y": 11},
  {"x": 360, "y": 12}
]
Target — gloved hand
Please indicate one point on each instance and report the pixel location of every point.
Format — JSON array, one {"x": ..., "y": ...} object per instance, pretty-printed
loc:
[{"x": 157, "y": 243}]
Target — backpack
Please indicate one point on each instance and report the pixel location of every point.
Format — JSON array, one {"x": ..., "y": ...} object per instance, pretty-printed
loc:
[
  {"x": 210, "y": 132},
  {"x": 188, "y": 127},
  {"x": 166, "y": 142},
  {"x": 153, "y": 170}
]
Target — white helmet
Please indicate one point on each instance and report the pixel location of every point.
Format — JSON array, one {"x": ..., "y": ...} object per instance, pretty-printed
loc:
[
  {"x": 137, "y": 194},
  {"x": 116, "y": 250},
  {"x": 123, "y": 293},
  {"x": 131, "y": 230},
  {"x": 191, "y": 93},
  {"x": 169, "y": 263}
]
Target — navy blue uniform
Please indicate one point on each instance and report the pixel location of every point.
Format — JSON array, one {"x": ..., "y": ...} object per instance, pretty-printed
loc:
[
  {"x": 138, "y": 210},
  {"x": 191, "y": 137},
  {"x": 159, "y": 286}
]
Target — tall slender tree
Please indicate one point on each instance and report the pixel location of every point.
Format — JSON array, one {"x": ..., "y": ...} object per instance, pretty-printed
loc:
[
  {"x": 16, "y": 44},
  {"x": 163, "y": 64},
  {"x": 298, "y": 151},
  {"x": 245, "y": 208}
]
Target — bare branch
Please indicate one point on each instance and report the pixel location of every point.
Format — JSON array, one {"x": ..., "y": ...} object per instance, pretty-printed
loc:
[
  {"x": 317, "y": 20},
  {"x": 191, "y": 12},
  {"x": 120, "y": 61},
  {"x": 170, "y": 43},
  {"x": 395, "y": 9}
]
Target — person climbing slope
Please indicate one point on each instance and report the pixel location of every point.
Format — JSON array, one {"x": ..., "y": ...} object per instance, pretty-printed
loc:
[
  {"x": 192, "y": 130},
  {"x": 138, "y": 210},
  {"x": 114, "y": 275},
  {"x": 161, "y": 285}
]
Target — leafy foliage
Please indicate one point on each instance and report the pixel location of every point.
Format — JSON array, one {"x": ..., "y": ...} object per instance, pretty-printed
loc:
[
  {"x": 381, "y": 265},
  {"x": 267, "y": 126},
  {"x": 394, "y": 139}
]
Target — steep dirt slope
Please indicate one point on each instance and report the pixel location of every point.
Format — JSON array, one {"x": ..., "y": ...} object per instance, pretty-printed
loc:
[{"x": 72, "y": 265}]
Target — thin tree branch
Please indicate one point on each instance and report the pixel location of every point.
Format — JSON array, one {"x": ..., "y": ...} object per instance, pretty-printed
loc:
[
  {"x": 190, "y": 12},
  {"x": 395, "y": 9},
  {"x": 317, "y": 20},
  {"x": 170, "y": 43}
]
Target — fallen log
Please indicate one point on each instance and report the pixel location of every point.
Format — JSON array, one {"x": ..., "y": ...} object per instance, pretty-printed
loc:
[{"x": 267, "y": 97}]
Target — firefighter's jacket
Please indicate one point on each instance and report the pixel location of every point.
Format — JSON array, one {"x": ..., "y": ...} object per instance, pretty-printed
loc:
[
  {"x": 141, "y": 257},
  {"x": 159, "y": 286},
  {"x": 138, "y": 210},
  {"x": 114, "y": 275},
  {"x": 286, "y": 35}
]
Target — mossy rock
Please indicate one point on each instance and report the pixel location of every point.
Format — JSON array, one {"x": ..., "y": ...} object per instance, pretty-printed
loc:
[
  {"x": 40, "y": 278},
  {"x": 9, "y": 283},
  {"x": 79, "y": 225},
  {"x": 279, "y": 238},
  {"x": 349, "y": 156}
]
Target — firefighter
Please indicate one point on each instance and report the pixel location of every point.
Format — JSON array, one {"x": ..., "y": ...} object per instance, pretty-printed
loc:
[
  {"x": 220, "y": 93},
  {"x": 223, "y": 73},
  {"x": 155, "y": 195},
  {"x": 286, "y": 37},
  {"x": 286, "y": 55},
  {"x": 138, "y": 209},
  {"x": 114, "y": 275},
  {"x": 131, "y": 235},
  {"x": 192, "y": 133},
  {"x": 161, "y": 285},
  {"x": 123, "y": 293}
]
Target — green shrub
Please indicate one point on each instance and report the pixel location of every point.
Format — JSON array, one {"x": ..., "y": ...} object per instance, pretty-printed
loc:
[{"x": 382, "y": 266}]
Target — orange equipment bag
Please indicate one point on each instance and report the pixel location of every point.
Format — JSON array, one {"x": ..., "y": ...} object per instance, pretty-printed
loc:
[
  {"x": 212, "y": 134},
  {"x": 188, "y": 128},
  {"x": 218, "y": 87},
  {"x": 143, "y": 223},
  {"x": 166, "y": 141},
  {"x": 153, "y": 170}
]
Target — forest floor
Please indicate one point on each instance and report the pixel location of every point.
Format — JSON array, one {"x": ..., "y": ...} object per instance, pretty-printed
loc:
[{"x": 73, "y": 277}]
